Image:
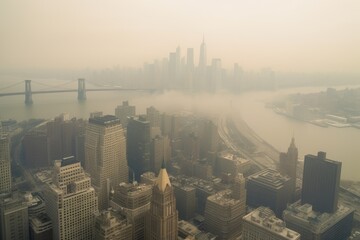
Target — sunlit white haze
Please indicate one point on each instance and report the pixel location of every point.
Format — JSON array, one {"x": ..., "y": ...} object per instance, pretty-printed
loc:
[{"x": 180, "y": 119}]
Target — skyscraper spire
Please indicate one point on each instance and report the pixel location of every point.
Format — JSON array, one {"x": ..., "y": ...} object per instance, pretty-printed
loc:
[{"x": 163, "y": 178}]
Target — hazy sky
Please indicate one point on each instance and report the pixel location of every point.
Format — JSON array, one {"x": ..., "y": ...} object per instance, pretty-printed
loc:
[{"x": 286, "y": 35}]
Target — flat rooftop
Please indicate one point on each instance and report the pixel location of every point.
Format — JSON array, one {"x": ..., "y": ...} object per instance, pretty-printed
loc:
[
  {"x": 105, "y": 120},
  {"x": 270, "y": 178},
  {"x": 264, "y": 217}
]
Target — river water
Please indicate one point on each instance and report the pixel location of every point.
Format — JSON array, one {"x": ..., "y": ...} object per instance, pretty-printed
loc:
[{"x": 341, "y": 144}]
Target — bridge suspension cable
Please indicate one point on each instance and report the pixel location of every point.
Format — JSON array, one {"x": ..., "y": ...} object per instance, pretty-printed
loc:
[
  {"x": 54, "y": 86},
  {"x": 12, "y": 85}
]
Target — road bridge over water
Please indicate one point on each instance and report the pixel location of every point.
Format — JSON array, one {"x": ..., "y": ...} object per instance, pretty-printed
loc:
[{"x": 81, "y": 90}]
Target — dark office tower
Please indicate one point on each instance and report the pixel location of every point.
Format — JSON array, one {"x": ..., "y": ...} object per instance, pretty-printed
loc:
[
  {"x": 209, "y": 139},
  {"x": 133, "y": 201},
  {"x": 105, "y": 155},
  {"x": 159, "y": 150},
  {"x": 5, "y": 164},
  {"x": 35, "y": 154},
  {"x": 186, "y": 200},
  {"x": 288, "y": 164},
  {"x": 321, "y": 181},
  {"x": 124, "y": 112},
  {"x": 138, "y": 145},
  {"x": 270, "y": 189},
  {"x": 162, "y": 223},
  {"x": 191, "y": 147}
]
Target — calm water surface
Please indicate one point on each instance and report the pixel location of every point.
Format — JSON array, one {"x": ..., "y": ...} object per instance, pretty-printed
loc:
[{"x": 342, "y": 144}]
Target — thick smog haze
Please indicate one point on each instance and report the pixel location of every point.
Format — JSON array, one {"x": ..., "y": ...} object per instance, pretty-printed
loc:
[{"x": 284, "y": 35}]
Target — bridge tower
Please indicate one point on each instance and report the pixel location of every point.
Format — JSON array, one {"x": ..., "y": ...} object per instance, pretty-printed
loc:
[
  {"x": 28, "y": 93},
  {"x": 81, "y": 89}
]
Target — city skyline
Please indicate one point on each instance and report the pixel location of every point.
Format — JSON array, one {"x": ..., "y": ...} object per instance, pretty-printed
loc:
[{"x": 287, "y": 36}]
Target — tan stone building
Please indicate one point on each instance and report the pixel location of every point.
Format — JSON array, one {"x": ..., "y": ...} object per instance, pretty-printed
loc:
[
  {"x": 105, "y": 156},
  {"x": 71, "y": 202}
]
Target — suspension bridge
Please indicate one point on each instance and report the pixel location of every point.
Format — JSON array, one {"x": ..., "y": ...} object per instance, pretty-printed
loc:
[{"x": 81, "y": 90}]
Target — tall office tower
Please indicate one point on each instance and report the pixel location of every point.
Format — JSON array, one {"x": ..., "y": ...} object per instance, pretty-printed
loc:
[
  {"x": 223, "y": 215},
  {"x": 178, "y": 67},
  {"x": 191, "y": 147},
  {"x": 209, "y": 138},
  {"x": 314, "y": 225},
  {"x": 185, "y": 196},
  {"x": 160, "y": 150},
  {"x": 270, "y": 189},
  {"x": 190, "y": 67},
  {"x": 109, "y": 225},
  {"x": 14, "y": 221},
  {"x": 172, "y": 70},
  {"x": 153, "y": 116},
  {"x": 133, "y": 201},
  {"x": 124, "y": 112},
  {"x": 162, "y": 222},
  {"x": 202, "y": 58},
  {"x": 238, "y": 189},
  {"x": 138, "y": 145},
  {"x": 105, "y": 155},
  {"x": 35, "y": 150},
  {"x": 262, "y": 224},
  {"x": 288, "y": 164},
  {"x": 216, "y": 75},
  {"x": 5, "y": 164},
  {"x": 321, "y": 182},
  {"x": 190, "y": 59},
  {"x": 71, "y": 202}
]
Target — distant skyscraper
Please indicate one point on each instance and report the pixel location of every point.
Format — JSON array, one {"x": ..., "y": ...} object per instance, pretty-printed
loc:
[
  {"x": 5, "y": 164},
  {"x": 190, "y": 59},
  {"x": 162, "y": 223},
  {"x": 138, "y": 145},
  {"x": 105, "y": 155},
  {"x": 71, "y": 202},
  {"x": 202, "y": 58},
  {"x": 14, "y": 222},
  {"x": 321, "y": 183},
  {"x": 153, "y": 116},
  {"x": 124, "y": 112},
  {"x": 288, "y": 164},
  {"x": 263, "y": 224}
]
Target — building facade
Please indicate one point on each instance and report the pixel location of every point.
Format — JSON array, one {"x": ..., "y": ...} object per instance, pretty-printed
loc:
[
  {"x": 111, "y": 226},
  {"x": 269, "y": 188},
  {"x": 71, "y": 202},
  {"x": 133, "y": 201},
  {"x": 105, "y": 155},
  {"x": 123, "y": 112},
  {"x": 288, "y": 165},
  {"x": 5, "y": 164},
  {"x": 138, "y": 146},
  {"x": 14, "y": 221},
  {"x": 321, "y": 183},
  {"x": 162, "y": 221}
]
